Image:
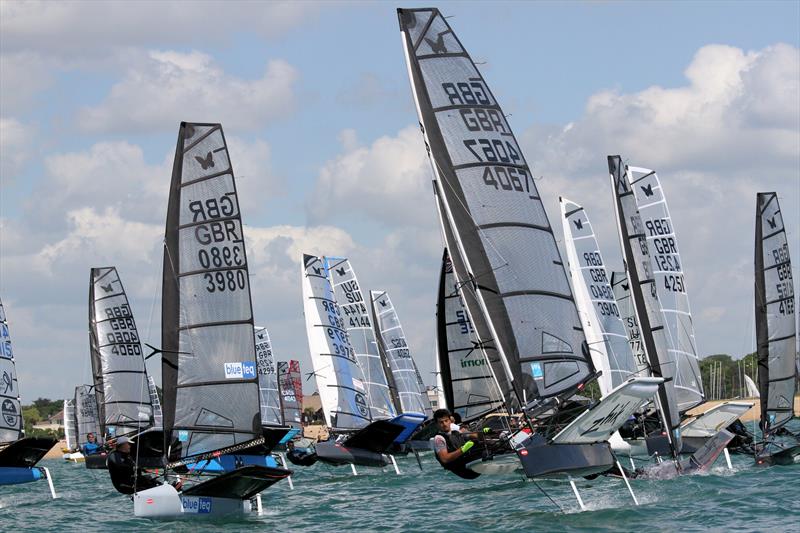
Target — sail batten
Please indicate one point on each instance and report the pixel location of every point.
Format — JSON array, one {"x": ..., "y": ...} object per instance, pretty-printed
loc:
[
  {"x": 489, "y": 199},
  {"x": 211, "y": 395}
]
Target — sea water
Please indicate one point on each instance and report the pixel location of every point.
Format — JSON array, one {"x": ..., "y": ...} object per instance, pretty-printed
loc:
[{"x": 746, "y": 498}]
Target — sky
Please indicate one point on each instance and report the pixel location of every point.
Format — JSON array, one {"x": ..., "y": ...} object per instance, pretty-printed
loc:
[{"x": 317, "y": 109}]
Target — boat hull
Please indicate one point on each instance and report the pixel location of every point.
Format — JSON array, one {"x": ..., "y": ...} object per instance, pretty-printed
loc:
[
  {"x": 96, "y": 462},
  {"x": 337, "y": 454},
  {"x": 496, "y": 466},
  {"x": 166, "y": 502},
  {"x": 788, "y": 456},
  {"x": 543, "y": 459},
  {"x": 11, "y": 475}
]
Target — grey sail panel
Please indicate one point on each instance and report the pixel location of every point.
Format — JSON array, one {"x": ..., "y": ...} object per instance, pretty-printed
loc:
[
  {"x": 291, "y": 390},
  {"x": 491, "y": 201},
  {"x": 644, "y": 295},
  {"x": 776, "y": 326},
  {"x": 411, "y": 395},
  {"x": 122, "y": 389},
  {"x": 86, "y": 415},
  {"x": 340, "y": 380},
  {"x": 155, "y": 401},
  {"x": 670, "y": 284},
  {"x": 622, "y": 294},
  {"x": 605, "y": 333},
  {"x": 466, "y": 375},
  {"x": 11, "y": 427},
  {"x": 358, "y": 323},
  {"x": 209, "y": 376},
  {"x": 70, "y": 424},
  {"x": 267, "y": 380}
]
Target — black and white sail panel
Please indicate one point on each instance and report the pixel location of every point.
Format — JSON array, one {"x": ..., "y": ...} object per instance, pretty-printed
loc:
[
  {"x": 410, "y": 393},
  {"x": 644, "y": 294},
  {"x": 155, "y": 401},
  {"x": 500, "y": 226},
  {"x": 667, "y": 266},
  {"x": 267, "y": 380},
  {"x": 70, "y": 424},
  {"x": 358, "y": 323},
  {"x": 291, "y": 390},
  {"x": 605, "y": 333},
  {"x": 10, "y": 406},
  {"x": 467, "y": 381},
  {"x": 776, "y": 327},
  {"x": 120, "y": 377},
  {"x": 86, "y": 416},
  {"x": 339, "y": 378},
  {"x": 210, "y": 384},
  {"x": 622, "y": 294}
]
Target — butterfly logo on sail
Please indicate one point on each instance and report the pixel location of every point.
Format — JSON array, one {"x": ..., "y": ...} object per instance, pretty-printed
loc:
[
  {"x": 772, "y": 223},
  {"x": 648, "y": 190},
  {"x": 340, "y": 271},
  {"x": 438, "y": 46},
  {"x": 107, "y": 288},
  {"x": 205, "y": 162},
  {"x": 383, "y": 303},
  {"x": 317, "y": 271},
  {"x": 578, "y": 223}
]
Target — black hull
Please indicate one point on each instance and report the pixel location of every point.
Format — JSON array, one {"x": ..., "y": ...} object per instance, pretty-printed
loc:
[
  {"x": 542, "y": 459},
  {"x": 242, "y": 483},
  {"x": 96, "y": 462},
  {"x": 331, "y": 453},
  {"x": 26, "y": 452},
  {"x": 788, "y": 456}
]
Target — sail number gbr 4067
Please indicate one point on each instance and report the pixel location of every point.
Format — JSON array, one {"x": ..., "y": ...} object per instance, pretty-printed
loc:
[{"x": 494, "y": 144}]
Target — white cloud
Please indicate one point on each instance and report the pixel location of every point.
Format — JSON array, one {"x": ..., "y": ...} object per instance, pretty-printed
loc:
[
  {"x": 168, "y": 87},
  {"x": 16, "y": 141},
  {"x": 732, "y": 130},
  {"x": 388, "y": 181}
]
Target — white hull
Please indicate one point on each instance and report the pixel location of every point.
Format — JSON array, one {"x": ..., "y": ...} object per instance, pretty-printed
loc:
[
  {"x": 166, "y": 502},
  {"x": 75, "y": 457},
  {"x": 500, "y": 465}
]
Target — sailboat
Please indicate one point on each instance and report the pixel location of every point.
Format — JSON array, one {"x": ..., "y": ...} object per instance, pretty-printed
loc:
[
  {"x": 363, "y": 430},
  {"x": 71, "y": 452},
  {"x": 211, "y": 397},
  {"x": 291, "y": 392},
  {"x": 673, "y": 295},
  {"x": 506, "y": 259},
  {"x": 19, "y": 454},
  {"x": 121, "y": 386},
  {"x": 87, "y": 421},
  {"x": 776, "y": 335},
  {"x": 661, "y": 360},
  {"x": 404, "y": 379}
]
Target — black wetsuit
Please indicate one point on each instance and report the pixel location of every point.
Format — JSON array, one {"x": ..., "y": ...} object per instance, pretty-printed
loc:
[
  {"x": 124, "y": 474},
  {"x": 454, "y": 441}
]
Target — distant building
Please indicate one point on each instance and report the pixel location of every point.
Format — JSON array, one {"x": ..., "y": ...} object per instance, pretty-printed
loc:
[
  {"x": 433, "y": 397},
  {"x": 54, "y": 422}
]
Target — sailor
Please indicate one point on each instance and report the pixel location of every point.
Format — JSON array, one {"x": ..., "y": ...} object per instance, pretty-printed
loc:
[
  {"x": 124, "y": 475},
  {"x": 91, "y": 447},
  {"x": 450, "y": 447}
]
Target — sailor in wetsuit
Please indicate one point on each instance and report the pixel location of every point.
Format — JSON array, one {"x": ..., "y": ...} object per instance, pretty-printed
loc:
[
  {"x": 122, "y": 469},
  {"x": 451, "y": 448},
  {"x": 91, "y": 447}
]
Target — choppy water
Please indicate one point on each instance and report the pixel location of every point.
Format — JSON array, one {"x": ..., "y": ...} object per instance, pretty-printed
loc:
[{"x": 325, "y": 498}]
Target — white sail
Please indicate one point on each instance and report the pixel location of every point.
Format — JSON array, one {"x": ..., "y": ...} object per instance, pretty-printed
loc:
[
  {"x": 86, "y": 415},
  {"x": 10, "y": 406},
  {"x": 622, "y": 294},
  {"x": 405, "y": 377},
  {"x": 358, "y": 323},
  {"x": 339, "y": 378},
  {"x": 70, "y": 425},
  {"x": 597, "y": 308},
  {"x": 158, "y": 417},
  {"x": 670, "y": 284},
  {"x": 267, "y": 380},
  {"x": 752, "y": 388}
]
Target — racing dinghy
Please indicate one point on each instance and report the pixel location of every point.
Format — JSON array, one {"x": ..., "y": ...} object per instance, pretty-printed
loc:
[
  {"x": 19, "y": 454},
  {"x": 505, "y": 257},
  {"x": 211, "y": 403},
  {"x": 776, "y": 335},
  {"x": 358, "y": 436},
  {"x": 71, "y": 452},
  {"x": 662, "y": 361},
  {"x": 121, "y": 385}
]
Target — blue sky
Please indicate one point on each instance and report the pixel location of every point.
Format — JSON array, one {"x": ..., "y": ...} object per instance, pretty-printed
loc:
[{"x": 316, "y": 104}]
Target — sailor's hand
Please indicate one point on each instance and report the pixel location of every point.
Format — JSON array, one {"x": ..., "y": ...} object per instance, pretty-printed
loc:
[{"x": 466, "y": 447}]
